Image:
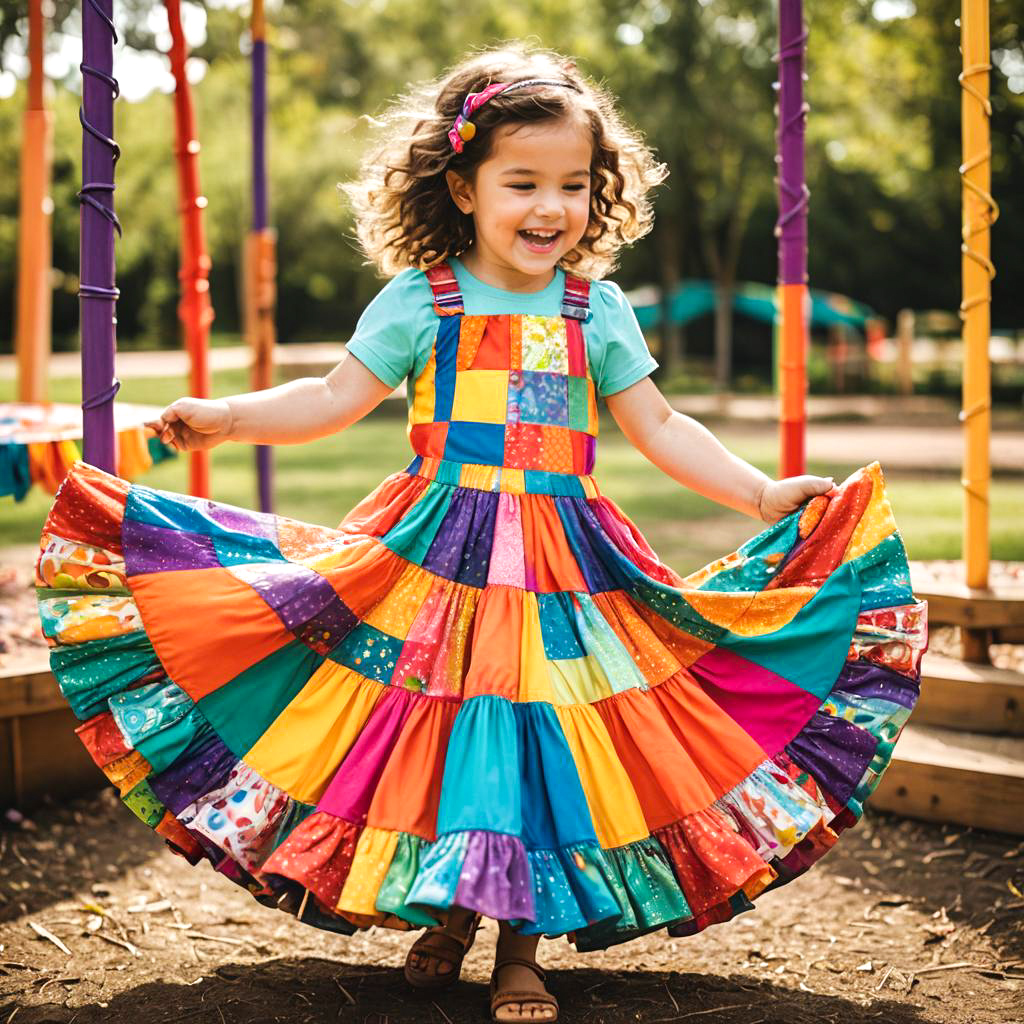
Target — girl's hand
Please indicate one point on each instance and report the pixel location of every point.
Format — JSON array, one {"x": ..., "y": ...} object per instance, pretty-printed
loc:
[
  {"x": 194, "y": 424},
  {"x": 780, "y": 497}
]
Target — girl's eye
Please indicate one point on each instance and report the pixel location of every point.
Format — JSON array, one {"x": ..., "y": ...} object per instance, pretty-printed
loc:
[
  {"x": 575, "y": 188},
  {"x": 521, "y": 187}
]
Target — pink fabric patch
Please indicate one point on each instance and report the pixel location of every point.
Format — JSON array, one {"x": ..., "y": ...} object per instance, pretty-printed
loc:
[
  {"x": 508, "y": 563},
  {"x": 349, "y": 794},
  {"x": 768, "y": 707}
]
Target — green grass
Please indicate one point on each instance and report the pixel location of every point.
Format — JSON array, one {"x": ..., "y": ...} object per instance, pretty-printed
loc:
[{"x": 321, "y": 481}]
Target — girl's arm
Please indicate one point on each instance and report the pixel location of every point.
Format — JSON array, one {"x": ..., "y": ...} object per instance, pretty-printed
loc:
[
  {"x": 301, "y": 410},
  {"x": 689, "y": 453}
]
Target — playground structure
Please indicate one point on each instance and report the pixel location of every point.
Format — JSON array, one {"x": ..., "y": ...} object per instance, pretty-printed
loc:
[
  {"x": 37, "y": 438},
  {"x": 961, "y": 759}
]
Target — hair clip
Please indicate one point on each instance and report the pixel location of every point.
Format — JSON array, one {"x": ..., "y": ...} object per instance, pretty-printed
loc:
[{"x": 463, "y": 129}]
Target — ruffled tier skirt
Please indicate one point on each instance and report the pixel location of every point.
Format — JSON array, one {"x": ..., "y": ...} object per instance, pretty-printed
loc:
[{"x": 483, "y": 692}]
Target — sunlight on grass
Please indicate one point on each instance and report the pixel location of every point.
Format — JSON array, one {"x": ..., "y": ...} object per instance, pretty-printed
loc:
[{"x": 321, "y": 481}]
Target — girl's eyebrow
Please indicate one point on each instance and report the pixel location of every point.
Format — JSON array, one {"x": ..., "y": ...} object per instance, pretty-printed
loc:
[{"x": 529, "y": 170}]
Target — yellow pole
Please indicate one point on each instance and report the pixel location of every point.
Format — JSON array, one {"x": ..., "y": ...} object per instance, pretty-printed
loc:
[
  {"x": 979, "y": 212},
  {"x": 32, "y": 326}
]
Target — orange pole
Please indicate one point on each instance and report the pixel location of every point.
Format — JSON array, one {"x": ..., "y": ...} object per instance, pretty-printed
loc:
[
  {"x": 979, "y": 212},
  {"x": 194, "y": 308},
  {"x": 35, "y": 247}
]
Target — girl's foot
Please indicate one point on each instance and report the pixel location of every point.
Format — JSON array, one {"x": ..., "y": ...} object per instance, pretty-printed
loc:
[
  {"x": 518, "y": 992},
  {"x": 517, "y": 983},
  {"x": 435, "y": 958}
]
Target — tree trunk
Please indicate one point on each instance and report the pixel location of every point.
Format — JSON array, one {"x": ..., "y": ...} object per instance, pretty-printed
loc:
[{"x": 672, "y": 336}]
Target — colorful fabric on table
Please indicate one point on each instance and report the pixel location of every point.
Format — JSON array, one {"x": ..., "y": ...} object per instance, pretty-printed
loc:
[{"x": 484, "y": 688}]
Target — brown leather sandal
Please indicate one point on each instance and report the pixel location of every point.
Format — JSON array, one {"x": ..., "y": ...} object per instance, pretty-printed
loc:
[
  {"x": 503, "y": 996},
  {"x": 442, "y": 946}
]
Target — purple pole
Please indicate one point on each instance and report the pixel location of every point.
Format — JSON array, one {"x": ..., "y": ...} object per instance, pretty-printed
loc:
[
  {"x": 264, "y": 454},
  {"x": 791, "y": 230},
  {"x": 97, "y": 291}
]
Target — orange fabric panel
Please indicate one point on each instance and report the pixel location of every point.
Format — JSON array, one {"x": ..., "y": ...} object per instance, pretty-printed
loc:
[
  {"x": 684, "y": 646},
  {"x": 409, "y": 791},
  {"x": 722, "y": 749},
  {"x": 653, "y": 658},
  {"x": 668, "y": 783},
  {"x": 383, "y": 506},
  {"x": 493, "y": 352},
  {"x": 471, "y": 332},
  {"x": 178, "y": 609},
  {"x": 495, "y": 644},
  {"x": 550, "y": 563},
  {"x": 362, "y": 573}
]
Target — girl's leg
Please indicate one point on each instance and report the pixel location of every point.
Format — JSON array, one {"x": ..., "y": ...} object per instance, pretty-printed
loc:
[
  {"x": 515, "y": 976},
  {"x": 459, "y": 922}
]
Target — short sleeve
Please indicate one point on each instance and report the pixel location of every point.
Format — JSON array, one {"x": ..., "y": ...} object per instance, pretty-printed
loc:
[
  {"x": 392, "y": 329},
  {"x": 625, "y": 358}
]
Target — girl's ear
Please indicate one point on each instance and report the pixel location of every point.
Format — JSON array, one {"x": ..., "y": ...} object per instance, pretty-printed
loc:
[{"x": 460, "y": 190}]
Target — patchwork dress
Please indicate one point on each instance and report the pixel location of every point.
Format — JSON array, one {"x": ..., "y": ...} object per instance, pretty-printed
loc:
[{"x": 484, "y": 688}]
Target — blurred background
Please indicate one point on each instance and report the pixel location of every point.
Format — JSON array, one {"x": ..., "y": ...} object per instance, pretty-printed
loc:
[{"x": 883, "y": 149}]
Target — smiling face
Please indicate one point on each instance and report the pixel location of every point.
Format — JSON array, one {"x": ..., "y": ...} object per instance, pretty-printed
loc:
[{"x": 530, "y": 202}]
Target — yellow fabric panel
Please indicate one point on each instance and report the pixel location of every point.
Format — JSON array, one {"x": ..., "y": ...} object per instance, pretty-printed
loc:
[
  {"x": 481, "y": 396},
  {"x": 302, "y": 749},
  {"x": 578, "y": 680},
  {"x": 611, "y": 799},
  {"x": 771, "y": 610},
  {"x": 534, "y": 678},
  {"x": 395, "y": 613},
  {"x": 513, "y": 481},
  {"x": 422, "y": 408},
  {"x": 374, "y": 853},
  {"x": 876, "y": 523},
  {"x": 347, "y": 554},
  {"x": 133, "y": 458}
]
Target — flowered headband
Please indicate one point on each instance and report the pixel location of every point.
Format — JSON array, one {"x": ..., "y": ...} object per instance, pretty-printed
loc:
[{"x": 463, "y": 129}]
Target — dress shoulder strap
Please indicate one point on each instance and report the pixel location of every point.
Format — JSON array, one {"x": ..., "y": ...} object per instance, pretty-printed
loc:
[
  {"x": 576, "y": 298},
  {"x": 447, "y": 297}
]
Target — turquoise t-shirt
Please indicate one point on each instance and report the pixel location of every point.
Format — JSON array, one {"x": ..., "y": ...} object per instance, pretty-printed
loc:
[{"x": 396, "y": 332}]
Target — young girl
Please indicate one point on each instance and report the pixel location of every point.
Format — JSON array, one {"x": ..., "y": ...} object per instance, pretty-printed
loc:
[{"x": 484, "y": 694}]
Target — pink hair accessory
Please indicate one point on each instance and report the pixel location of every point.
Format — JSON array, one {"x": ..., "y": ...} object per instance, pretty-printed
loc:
[{"x": 463, "y": 129}]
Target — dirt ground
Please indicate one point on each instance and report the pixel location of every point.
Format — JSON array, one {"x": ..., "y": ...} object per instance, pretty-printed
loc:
[{"x": 901, "y": 922}]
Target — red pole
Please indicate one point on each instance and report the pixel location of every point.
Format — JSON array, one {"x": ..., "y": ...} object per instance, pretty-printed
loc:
[{"x": 194, "y": 308}]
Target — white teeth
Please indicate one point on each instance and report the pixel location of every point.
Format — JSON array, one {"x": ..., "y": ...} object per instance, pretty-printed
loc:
[{"x": 539, "y": 234}]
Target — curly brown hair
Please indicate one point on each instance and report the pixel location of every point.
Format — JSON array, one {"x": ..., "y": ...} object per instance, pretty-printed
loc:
[{"x": 404, "y": 213}]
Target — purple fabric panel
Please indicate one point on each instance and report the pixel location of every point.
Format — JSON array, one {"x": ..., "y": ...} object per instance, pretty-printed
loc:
[
  {"x": 461, "y": 550},
  {"x": 193, "y": 775},
  {"x": 836, "y": 752},
  {"x": 295, "y": 592},
  {"x": 350, "y": 791},
  {"x": 240, "y": 520},
  {"x": 866, "y": 679},
  {"x": 596, "y": 556},
  {"x": 589, "y": 453},
  {"x": 767, "y": 706},
  {"x": 325, "y": 630},
  {"x": 496, "y": 879},
  {"x": 149, "y": 548}
]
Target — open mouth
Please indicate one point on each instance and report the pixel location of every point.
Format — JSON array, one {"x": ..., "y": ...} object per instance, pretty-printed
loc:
[{"x": 540, "y": 240}]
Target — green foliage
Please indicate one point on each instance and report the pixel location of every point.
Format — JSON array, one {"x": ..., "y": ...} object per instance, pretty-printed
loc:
[{"x": 883, "y": 146}]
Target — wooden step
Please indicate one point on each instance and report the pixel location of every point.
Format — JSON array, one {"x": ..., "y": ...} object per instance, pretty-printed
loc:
[
  {"x": 964, "y": 778},
  {"x": 29, "y": 690},
  {"x": 40, "y": 755},
  {"x": 970, "y": 697},
  {"x": 1000, "y": 607}
]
